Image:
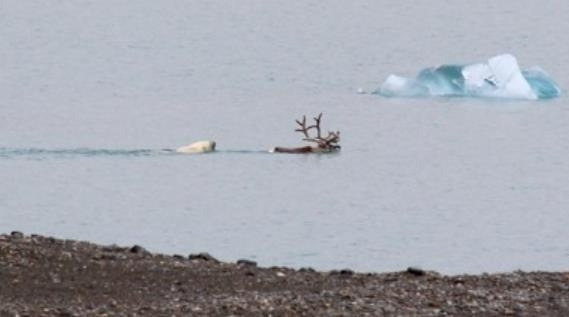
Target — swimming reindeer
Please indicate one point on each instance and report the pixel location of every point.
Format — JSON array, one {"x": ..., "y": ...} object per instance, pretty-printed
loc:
[{"x": 323, "y": 144}]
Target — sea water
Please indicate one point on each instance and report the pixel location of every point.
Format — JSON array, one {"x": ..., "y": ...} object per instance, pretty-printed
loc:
[{"x": 91, "y": 92}]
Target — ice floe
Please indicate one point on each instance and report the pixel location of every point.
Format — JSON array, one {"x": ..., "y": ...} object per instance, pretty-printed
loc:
[{"x": 499, "y": 77}]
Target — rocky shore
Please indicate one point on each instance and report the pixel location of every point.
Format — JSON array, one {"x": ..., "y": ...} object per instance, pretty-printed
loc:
[{"x": 44, "y": 276}]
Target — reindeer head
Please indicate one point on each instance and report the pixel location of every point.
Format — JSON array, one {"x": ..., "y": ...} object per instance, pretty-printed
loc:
[{"x": 324, "y": 144}]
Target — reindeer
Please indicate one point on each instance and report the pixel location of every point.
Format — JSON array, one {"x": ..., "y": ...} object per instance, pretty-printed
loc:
[{"x": 323, "y": 145}]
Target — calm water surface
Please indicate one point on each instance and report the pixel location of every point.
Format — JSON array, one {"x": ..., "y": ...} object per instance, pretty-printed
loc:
[{"x": 91, "y": 91}]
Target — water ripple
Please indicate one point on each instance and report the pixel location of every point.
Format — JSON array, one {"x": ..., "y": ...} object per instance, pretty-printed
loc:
[
  {"x": 39, "y": 153},
  {"x": 72, "y": 152}
]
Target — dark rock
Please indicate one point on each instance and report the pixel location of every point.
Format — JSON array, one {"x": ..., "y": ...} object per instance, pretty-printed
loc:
[
  {"x": 245, "y": 262},
  {"x": 203, "y": 257},
  {"x": 307, "y": 270},
  {"x": 138, "y": 250},
  {"x": 17, "y": 234},
  {"x": 344, "y": 272},
  {"x": 65, "y": 313},
  {"x": 415, "y": 271}
]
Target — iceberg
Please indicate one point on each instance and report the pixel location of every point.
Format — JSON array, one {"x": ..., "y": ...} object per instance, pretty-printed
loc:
[{"x": 499, "y": 77}]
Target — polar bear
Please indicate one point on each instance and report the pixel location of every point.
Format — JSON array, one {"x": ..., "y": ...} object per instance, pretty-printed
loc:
[{"x": 197, "y": 147}]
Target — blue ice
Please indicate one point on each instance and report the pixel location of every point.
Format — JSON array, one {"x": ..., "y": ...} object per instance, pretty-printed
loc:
[{"x": 500, "y": 77}]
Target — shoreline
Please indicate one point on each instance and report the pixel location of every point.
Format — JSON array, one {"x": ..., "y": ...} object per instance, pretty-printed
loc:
[{"x": 53, "y": 277}]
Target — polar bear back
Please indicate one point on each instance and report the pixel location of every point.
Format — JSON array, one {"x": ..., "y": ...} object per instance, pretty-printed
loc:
[{"x": 197, "y": 147}]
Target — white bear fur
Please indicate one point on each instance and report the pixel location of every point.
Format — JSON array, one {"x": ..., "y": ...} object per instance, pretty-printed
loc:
[{"x": 197, "y": 147}]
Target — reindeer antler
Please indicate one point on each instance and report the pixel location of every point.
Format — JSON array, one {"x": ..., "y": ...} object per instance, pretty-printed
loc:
[
  {"x": 303, "y": 127},
  {"x": 329, "y": 142},
  {"x": 317, "y": 125}
]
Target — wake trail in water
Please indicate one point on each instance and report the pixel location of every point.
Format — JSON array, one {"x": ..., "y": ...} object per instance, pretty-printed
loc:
[
  {"x": 72, "y": 152},
  {"x": 39, "y": 153}
]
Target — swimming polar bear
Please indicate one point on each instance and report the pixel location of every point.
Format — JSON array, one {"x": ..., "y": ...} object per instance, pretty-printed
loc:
[{"x": 197, "y": 147}]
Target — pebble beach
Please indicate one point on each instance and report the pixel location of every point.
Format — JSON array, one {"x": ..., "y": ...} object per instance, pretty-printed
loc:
[{"x": 46, "y": 276}]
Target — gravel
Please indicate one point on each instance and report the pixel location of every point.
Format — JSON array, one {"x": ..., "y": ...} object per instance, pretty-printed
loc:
[{"x": 44, "y": 276}]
